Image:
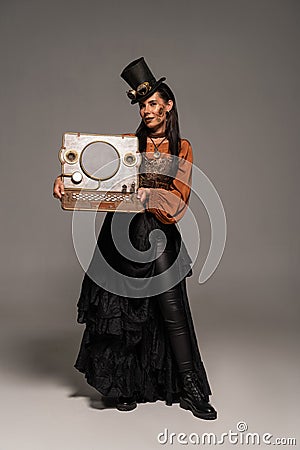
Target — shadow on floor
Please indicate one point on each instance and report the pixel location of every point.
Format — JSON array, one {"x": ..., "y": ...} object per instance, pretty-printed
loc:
[{"x": 51, "y": 357}]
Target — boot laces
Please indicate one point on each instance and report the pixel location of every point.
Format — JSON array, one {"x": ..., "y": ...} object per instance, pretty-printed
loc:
[{"x": 191, "y": 384}]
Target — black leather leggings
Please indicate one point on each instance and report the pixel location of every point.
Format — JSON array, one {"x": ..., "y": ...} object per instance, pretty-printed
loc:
[{"x": 171, "y": 306}]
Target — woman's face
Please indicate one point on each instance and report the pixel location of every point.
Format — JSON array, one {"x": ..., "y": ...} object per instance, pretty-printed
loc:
[{"x": 153, "y": 112}]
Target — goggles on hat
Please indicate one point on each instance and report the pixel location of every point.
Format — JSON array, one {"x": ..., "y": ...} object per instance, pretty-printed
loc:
[{"x": 140, "y": 91}]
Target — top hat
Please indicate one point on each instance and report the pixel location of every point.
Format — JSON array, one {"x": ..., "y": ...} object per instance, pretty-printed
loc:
[{"x": 141, "y": 80}]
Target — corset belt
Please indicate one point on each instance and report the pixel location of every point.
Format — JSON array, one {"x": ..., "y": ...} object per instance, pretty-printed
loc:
[{"x": 155, "y": 184}]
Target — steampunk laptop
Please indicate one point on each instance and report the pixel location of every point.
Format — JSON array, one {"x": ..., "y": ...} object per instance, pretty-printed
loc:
[{"x": 100, "y": 172}]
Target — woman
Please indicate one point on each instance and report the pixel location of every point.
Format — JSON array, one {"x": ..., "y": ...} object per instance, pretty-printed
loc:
[{"x": 145, "y": 349}]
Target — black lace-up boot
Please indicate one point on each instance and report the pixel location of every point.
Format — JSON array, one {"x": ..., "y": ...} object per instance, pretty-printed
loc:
[{"x": 192, "y": 398}]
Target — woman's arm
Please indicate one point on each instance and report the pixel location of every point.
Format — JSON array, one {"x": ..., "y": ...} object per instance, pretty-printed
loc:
[{"x": 169, "y": 206}]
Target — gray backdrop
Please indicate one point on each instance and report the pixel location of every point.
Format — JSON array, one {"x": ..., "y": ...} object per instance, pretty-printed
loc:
[{"x": 234, "y": 66}]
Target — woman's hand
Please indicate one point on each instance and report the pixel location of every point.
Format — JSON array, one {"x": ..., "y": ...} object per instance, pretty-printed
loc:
[
  {"x": 143, "y": 194},
  {"x": 58, "y": 188}
]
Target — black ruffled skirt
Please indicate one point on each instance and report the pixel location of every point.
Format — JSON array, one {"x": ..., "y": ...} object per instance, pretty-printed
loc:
[{"x": 125, "y": 349}]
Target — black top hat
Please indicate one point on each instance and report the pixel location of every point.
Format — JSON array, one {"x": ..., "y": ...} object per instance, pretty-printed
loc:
[{"x": 141, "y": 80}]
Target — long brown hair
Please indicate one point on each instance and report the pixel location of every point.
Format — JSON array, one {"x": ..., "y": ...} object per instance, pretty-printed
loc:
[{"x": 172, "y": 124}]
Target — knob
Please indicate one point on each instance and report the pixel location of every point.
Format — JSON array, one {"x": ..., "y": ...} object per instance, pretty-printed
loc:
[{"x": 76, "y": 177}]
